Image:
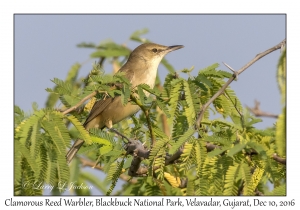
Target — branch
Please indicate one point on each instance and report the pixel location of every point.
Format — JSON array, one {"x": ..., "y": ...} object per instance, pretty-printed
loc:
[
  {"x": 138, "y": 150},
  {"x": 236, "y": 73},
  {"x": 258, "y": 193},
  {"x": 172, "y": 159},
  {"x": 259, "y": 113},
  {"x": 210, "y": 147},
  {"x": 279, "y": 159},
  {"x": 80, "y": 103}
]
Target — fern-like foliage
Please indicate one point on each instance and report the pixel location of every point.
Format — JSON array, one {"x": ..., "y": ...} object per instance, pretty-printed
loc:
[
  {"x": 232, "y": 173},
  {"x": 226, "y": 155},
  {"x": 185, "y": 137},
  {"x": 115, "y": 176},
  {"x": 83, "y": 133}
]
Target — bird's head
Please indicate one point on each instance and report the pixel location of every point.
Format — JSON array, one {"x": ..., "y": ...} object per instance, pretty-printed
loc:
[{"x": 152, "y": 53}]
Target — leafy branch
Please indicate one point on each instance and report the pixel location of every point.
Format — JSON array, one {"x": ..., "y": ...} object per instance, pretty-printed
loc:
[
  {"x": 227, "y": 157},
  {"x": 234, "y": 76}
]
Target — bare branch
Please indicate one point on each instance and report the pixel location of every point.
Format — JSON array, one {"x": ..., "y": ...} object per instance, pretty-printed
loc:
[
  {"x": 217, "y": 94},
  {"x": 258, "y": 193},
  {"x": 259, "y": 113},
  {"x": 136, "y": 148},
  {"x": 279, "y": 159},
  {"x": 172, "y": 159},
  {"x": 229, "y": 67}
]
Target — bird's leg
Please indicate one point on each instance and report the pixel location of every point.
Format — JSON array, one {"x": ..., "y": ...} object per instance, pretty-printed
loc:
[
  {"x": 109, "y": 125},
  {"x": 119, "y": 134},
  {"x": 123, "y": 136}
]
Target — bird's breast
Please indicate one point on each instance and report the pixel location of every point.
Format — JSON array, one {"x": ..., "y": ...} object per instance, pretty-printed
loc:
[{"x": 147, "y": 76}]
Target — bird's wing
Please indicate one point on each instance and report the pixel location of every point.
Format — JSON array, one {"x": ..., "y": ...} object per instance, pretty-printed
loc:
[{"x": 100, "y": 105}]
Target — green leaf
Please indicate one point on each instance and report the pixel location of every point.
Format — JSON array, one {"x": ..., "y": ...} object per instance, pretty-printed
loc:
[
  {"x": 160, "y": 133},
  {"x": 115, "y": 176},
  {"x": 279, "y": 191},
  {"x": 212, "y": 72},
  {"x": 174, "y": 98},
  {"x": 106, "y": 145},
  {"x": 125, "y": 94},
  {"x": 230, "y": 180},
  {"x": 62, "y": 87},
  {"x": 150, "y": 90},
  {"x": 257, "y": 147},
  {"x": 190, "y": 110},
  {"x": 203, "y": 79},
  {"x": 20, "y": 148},
  {"x": 163, "y": 107},
  {"x": 142, "y": 95},
  {"x": 246, "y": 176},
  {"x": 73, "y": 73},
  {"x": 35, "y": 140},
  {"x": 217, "y": 151},
  {"x": 185, "y": 137},
  {"x": 281, "y": 134},
  {"x": 99, "y": 140},
  {"x": 253, "y": 121},
  {"x": 84, "y": 134},
  {"x": 24, "y": 129},
  {"x": 105, "y": 149},
  {"x": 237, "y": 148},
  {"x": 122, "y": 77},
  {"x": 86, "y": 45},
  {"x": 55, "y": 134},
  {"x": 255, "y": 180},
  {"x": 135, "y": 36},
  {"x": 111, "y": 53}
]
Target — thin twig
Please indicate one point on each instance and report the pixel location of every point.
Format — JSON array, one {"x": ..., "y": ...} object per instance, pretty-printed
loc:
[
  {"x": 119, "y": 134},
  {"x": 217, "y": 94},
  {"x": 80, "y": 103},
  {"x": 259, "y": 113},
  {"x": 231, "y": 69}
]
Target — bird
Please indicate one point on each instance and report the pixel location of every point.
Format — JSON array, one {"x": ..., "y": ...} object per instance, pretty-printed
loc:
[{"x": 140, "y": 68}]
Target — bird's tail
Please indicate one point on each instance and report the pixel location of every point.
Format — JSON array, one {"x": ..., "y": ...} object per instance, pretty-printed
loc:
[{"x": 74, "y": 149}]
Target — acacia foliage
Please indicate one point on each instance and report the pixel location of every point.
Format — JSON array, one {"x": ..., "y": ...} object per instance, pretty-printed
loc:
[{"x": 241, "y": 164}]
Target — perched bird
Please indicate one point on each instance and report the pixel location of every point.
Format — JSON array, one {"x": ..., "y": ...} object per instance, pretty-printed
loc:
[{"x": 140, "y": 68}]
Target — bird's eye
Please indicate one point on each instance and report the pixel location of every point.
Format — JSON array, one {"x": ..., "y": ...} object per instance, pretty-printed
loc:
[{"x": 154, "y": 50}]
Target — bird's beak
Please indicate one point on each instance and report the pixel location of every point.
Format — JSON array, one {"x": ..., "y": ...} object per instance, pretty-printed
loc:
[{"x": 174, "y": 47}]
